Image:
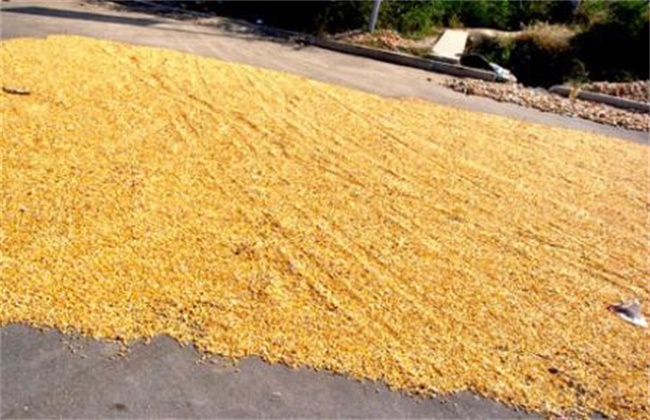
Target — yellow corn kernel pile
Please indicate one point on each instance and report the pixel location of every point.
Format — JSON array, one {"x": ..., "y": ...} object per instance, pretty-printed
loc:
[{"x": 252, "y": 212}]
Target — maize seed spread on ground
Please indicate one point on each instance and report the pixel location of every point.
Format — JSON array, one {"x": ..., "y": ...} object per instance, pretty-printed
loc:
[{"x": 252, "y": 212}]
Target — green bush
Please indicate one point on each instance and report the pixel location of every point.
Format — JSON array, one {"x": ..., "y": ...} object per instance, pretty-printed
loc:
[
  {"x": 611, "y": 41},
  {"x": 617, "y": 47},
  {"x": 495, "y": 49},
  {"x": 305, "y": 16},
  {"x": 591, "y": 12},
  {"x": 411, "y": 17},
  {"x": 578, "y": 72},
  {"x": 525, "y": 13},
  {"x": 614, "y": 46},
  {"x": 541, "y": 55},
  {"x": 485, "y": 14}
]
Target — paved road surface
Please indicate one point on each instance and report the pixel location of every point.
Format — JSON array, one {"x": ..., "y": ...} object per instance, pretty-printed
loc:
[
  {"x": 41, "y": 377},
  {"x": 31, "y": 19}
]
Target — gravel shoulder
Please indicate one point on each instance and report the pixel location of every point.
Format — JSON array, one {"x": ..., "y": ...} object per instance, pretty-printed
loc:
[
  {"x": 636, "y": 91},
  {"x": 548, "y": 102}
]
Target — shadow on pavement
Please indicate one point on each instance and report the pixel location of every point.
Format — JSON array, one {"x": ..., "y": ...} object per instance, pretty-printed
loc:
[
  {"x": 229, "y": 27},
  {"x": 233, "y": 26},
  {"x": 70, "y": 14}
]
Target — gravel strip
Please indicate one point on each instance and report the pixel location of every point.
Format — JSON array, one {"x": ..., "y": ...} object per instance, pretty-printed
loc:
[
  {"x": 636, "y": 91},
  {"x": 548, "y": 102}
]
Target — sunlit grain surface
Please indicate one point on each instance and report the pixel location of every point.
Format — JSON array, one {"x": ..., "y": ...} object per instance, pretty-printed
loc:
[{"x": 252, "y": 212}]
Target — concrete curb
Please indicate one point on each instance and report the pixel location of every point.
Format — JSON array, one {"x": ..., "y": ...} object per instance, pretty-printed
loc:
[
  {"x": 602, "y": 98},
  {"x": 402, "y": 59}
]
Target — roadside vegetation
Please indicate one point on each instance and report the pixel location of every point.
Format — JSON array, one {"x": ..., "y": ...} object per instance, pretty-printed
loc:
[
  {"x": 608, "y": 42},
  {"x": 552, "y": 42}
]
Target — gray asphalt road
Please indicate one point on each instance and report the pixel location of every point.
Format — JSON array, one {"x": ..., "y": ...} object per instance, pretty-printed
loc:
[
  {"x": 51, "y": 375},
  {"x": 235, "y": 43},
  {"x": 41, "y": 377}
]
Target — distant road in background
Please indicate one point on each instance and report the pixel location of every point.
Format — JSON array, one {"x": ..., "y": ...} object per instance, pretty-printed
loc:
[{"x": 232, "y": 42}]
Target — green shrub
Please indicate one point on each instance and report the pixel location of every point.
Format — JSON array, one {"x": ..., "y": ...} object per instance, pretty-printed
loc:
[
  {"x": 611, "y": 44},
  {"x": 412, "y": 18},
  {"x": 577, "y": 74},
  {"x": 591, "y": 12},
  {"x": 541, "y": 55},
  {"x": 495, "y": 49},
  {"x": 617, "y": 47},
  {"x": 306, "y": 16},
  {"x": 337, "y": 16},
  {"x": 525, "y": 13},
  {"x": 476, "y": 13},
  {"x": 454, "y": 21}
]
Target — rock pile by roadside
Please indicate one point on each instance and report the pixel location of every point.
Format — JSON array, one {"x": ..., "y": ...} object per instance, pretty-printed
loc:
[
  {"x": 636, "y": 91},
  {"x": 548, "y": 102}
]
